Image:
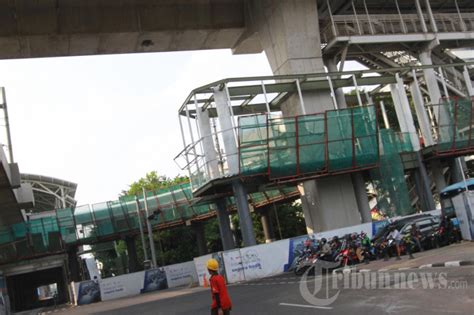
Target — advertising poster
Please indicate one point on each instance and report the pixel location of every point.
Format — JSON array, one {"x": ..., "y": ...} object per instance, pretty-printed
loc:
[
  {"x": 88, "y": 292},
  {"x": 154, "y": 280},
  {"x": 181, "y": 274},
  {"x": 295, "y": 249}
]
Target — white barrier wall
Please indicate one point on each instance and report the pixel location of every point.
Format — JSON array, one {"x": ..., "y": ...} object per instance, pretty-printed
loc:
[
  {"x": 201, "y": 269},
  {"x": 237, "y": 265},
  {"x": 181, "y": 274},
  {"x": 92, "y": 291},
  {"x": 234, "y": 267},
  {"x": 264, "y": 260},
  {"x": 121, "y": 286}
]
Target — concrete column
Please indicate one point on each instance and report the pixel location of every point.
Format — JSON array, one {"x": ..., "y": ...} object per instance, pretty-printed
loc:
[
  {"x": 424, "y": 185},
  {"x": 456, "y": 170},
  {"x": 468, "y": 82},
  {"x": 198, "y": 228},
  {"x": 265, "y": 218},
  {"x": 430, "y": 78},
  {"x": 230, "y": 146},
  {"x": 289, "y": 34},
  {"x": 205, "y": 130},
  {"x": 73, "y": 264},
  {"x": 405, "y": 119},
  {"x": 421, "y": 113},
  {"x": 227, "y": 129},
  {"x": 245, "y": 220},
  {"x": 361, "y": 197},
  {"x": 132, "y": 254},
  {"x": 339, "y": 93},
  {"x": 224, "y": 225},
  {"x": 438, "y": 176},
  {"x": 403, "y": 111}
]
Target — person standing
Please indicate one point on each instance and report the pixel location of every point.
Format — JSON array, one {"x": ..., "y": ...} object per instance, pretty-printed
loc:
[
  {"x": 397, "y": 238},
  {"x": 221, "y": 304},
  {"x": 416, "y": 236}
]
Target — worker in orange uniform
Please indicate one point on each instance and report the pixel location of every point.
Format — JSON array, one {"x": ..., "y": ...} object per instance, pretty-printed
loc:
[{"x": 221, "y": 304}]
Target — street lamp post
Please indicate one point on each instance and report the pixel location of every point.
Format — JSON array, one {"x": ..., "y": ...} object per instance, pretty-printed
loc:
[{"x": 150, "y": 231}]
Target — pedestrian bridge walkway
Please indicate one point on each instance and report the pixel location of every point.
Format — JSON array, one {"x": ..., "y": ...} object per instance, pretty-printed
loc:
[{"x": 55, "y": 230}]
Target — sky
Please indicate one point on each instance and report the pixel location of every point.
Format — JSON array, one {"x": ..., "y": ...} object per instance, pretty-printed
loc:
[{"x": 105, "y": 121}]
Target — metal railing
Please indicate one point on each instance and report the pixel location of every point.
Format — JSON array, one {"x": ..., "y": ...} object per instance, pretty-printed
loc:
[{"x": 390, "y": 24}]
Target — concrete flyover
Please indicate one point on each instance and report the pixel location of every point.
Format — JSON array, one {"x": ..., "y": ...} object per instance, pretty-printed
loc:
[
  {"x": 31, "y": 29},
  {"x": 298, "y": 36}
]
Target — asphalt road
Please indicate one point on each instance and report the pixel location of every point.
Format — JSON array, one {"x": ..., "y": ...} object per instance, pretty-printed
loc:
[{"x": 282, "y": 295}]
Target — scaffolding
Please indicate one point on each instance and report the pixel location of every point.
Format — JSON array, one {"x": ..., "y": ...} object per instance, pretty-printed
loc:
[
  {"x": 106, "y": 221},
  {"x": 322, "y": 144}
]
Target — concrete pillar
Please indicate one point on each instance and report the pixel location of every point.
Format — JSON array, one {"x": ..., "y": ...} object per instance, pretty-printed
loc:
[
  {"x": 205, "y": 130},
  {"x": 424, "y": 185},
  {"x": 438, "y": 176},
  {"x": 403, "y": 111},
  {"x": 456, "y": 170},
  {"x": 73, "y": 264},
  {"x": 132, "y": 254},
  {"x": 231, "y": 153},
  {"x": 245, "y": 220},
  {"x": 224, "y": 225},
  {"x": 265, "y": 218},
  {"x": 421, "y": 113},
  {"x": 430, "y": 78},
  {"x": 289, "y": 34},
  {"x": 361, "y": 197},
  {"x": 405, "y": 119},
  {"x": 468, "y": 82},
  {"x": 198, "y": 228},
  {"x": 227, "y": 130},
  {"x": 331, "y": 64}
]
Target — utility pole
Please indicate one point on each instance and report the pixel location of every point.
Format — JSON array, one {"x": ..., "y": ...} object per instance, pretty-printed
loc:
[{"x": 150, "y": 231}]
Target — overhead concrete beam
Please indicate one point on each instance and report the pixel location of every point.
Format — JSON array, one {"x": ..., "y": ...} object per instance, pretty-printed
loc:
[{"x": 69, "y": 28}]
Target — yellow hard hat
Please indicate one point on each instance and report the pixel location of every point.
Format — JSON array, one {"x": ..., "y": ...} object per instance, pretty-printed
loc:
[{"x": 212, "y": 264}]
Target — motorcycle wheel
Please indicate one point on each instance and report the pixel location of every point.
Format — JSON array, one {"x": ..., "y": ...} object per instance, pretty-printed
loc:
[{"x": 299, "y": 271}]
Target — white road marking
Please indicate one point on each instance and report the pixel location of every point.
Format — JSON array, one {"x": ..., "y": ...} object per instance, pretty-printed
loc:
[
  {"x": 452, "y": 264},
  {"x": 307, "y": 306},
  {"x": 425, "y": 266}
]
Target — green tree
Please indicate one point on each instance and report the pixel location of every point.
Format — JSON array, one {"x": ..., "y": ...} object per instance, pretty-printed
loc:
[
  {"x": 172, "y": 245},
  {"x": 153, "y": 181}
]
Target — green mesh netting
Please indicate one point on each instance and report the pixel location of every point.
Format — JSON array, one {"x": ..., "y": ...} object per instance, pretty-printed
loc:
[
  {"x": 328, "y": 142},
  {"x": 392, "y": 191},
  {"x": 87, "y": 224},
  {"x": 455, "y": 120}
]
